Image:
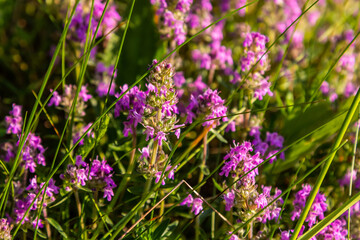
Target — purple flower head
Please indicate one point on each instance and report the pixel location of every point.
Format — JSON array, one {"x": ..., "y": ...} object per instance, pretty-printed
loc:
[
  {"x": 80, "y": 22},
  {"x": 187, "y": 201},
  {"x": 133, "y": 104},
  {"x": 317, "y": 210},
  {"x": 14, "y": 121},
  {"x": 272, "y": 144},
  {"x": 65, "y": 100},
  {"x": 103, "y": 79},
  {"x": 197, "y": 206},
  {"x": 209, "y": 104},
  {"x": 240, "y": 161},
  {"x": 161, "y": 136},
  {"x": 229, "y": 200},
  {"x": 55, "y": 99},
  {"x": 5, "y": 229},
  {"x": 171, "y": 174},
  {"x": 145, "y": 153}
]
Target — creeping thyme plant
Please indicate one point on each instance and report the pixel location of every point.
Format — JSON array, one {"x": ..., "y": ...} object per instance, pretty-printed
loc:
[{"x": 179, "y": 119}]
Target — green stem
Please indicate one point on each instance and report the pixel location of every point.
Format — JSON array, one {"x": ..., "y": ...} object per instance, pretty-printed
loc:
[
  {"x": 120, "y": 190},
  {"x": 201, "y": 177},
  {"x": 352, "y": 170},
  {"x": 47, "y": 225},
  {"x": 78, "y": 206}
]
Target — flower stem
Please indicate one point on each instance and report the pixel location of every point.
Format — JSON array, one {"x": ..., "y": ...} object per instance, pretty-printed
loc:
[
  {"x": 201, "y": 177},
  {"x": 120, "y": 190},
  {"x": 47, "y": 226},
  {"x": 78, "y": 205}
]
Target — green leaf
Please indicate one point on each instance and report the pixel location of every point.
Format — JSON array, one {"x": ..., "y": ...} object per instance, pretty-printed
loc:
[
  {"x": 317, "y": 116},
  {"x": 61, "y": 201},
  {"x": 205, "y": 170},
  {"x": 218, "y": 135},
  {"x": 217, "y": 185},
  {"x": 101, "y": 128},
  {"x": 57, "y": 226},
  {"x": 41, "y": 234},
  {"x": 160, "y": 230}
]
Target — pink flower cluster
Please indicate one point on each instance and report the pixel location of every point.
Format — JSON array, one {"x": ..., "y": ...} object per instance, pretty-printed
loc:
[{"x": 194, "y": 203}]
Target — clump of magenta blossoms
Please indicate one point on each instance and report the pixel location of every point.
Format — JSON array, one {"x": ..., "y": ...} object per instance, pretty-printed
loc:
[
  {"x": 160, "y": 115},
  {"x": 133, "y": 105},
  {"x": 272, "y": 144},
  {"x": 23, "y": 203},
  {"x": 97, "y": 176},
  {"x": 208, "y": 105},
  {"x": 80, "y": 22},
  {"x": 254, "y": 51},
  {"x": 344, "y": 82},
  {"x": 103, "y": 78},
  {"x": 65, "y": 100},
  {"x": 14, "y": 120},
  {"x": 33, "y": 151},
  {"x": 336, "y": 230},
  {"x": 216, "y": 56},
  {"x": 5, "y": 229},
  {"x": 243, "y": 195},
  {"x": 317, "y": 210},
  {"x": 194, "y": 203},
  {"x": 173, "y": 15}
]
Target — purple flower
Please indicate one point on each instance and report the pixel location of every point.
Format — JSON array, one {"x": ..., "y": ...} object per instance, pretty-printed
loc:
[
  {"x": 317, "y": 209},
  {"x": 149, "y": 131},
  {"x": 240, "y": 161},
  {"x": 55, "y": 100},
  {"x": 229, "y": 200},
  {"x": 14, "y": 121},
  {"x": 160, "y": 136},
  {"x": 5, "y": 229},
  {"x": 195, "y": 203},
  {"x": 209, "y": 104},
  {"x": 197, "y": 206},
  {"x": 133, "y": 103},
  {"x": 145, "y": 153},
  {"x": 187, "y": 201}
]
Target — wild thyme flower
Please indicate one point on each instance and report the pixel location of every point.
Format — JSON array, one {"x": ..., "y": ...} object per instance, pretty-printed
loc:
[
  {"x": 254, "y": 51},
  {"x": 103, "y": 78},
  {"x": 241, "y": 161},
  {"x": 196, "y": 204},
  {"x": 272, "y": 144},
  {"x": 65, "y": 101},
  {"x": 317, "y": 209},
  {"x": 132, "y": 104},
  {"x": 174, "y": 15},
  {"x": 22, "y": 204},
  {"x": 170, "y": 175},
  {"x": 227, "y": 5},
  {"x": 217, "y": 56},
  {"x": 98, "y": 177},
  {"x": 80, "y": 22},
  {"x": 336, "y": 230},
  {"x": 208, "y": 105},
  {"x": 5, "y": 229},
  {"x": 33, "y": 150},
  {"x": 161, "y": 100},
  {"x": 14, "y": 120},
  {"x": 243, "y": 196}
]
